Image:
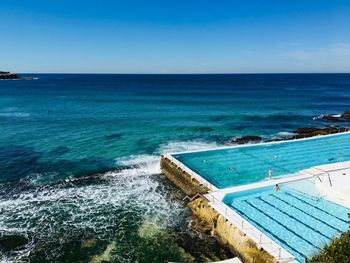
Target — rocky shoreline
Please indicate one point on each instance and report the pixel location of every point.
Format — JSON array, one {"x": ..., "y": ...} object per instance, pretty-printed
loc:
[
  {"x": 303, "y": 132},
  {"x": 6, "y": 75}
]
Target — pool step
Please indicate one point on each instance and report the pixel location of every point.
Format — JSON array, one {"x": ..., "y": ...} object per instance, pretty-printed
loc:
[
  {"x": 286, "y": 243},
  {"x": 310, "y": 215},
  {"x": 256, "y": 216},
  {"x": 284, "y": 226},
  {"x": 303, "y": 200},
  {"x": 295, "y": 218}
]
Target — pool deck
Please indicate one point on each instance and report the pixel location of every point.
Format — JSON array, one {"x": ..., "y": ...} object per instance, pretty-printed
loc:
[
  {"x": 215, "y": 195},
  {"x": 333, "y": 181}
]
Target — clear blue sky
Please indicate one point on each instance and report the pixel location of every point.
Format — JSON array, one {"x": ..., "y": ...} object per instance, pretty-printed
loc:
[{"x": 166, "y": 36}]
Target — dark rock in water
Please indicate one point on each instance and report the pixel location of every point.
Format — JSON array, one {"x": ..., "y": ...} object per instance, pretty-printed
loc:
[
  {"x": 201, "y": 244},
  {"x": 337, "y": 118},
  {"x": 12, "y": 242},
  {"x": 313, "y": 131},
  {"x": 306, "y": 130},
  {"x": 346, "y": 115},
  {"x": 200, "y": 225},
  {"x": 246, "y": 139},
  {"x": 331, "y": 118},
  {"x": 114, "y": 136}
]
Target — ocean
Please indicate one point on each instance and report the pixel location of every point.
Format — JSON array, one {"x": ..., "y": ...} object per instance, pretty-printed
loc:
[{"x": 79, "y": 156}]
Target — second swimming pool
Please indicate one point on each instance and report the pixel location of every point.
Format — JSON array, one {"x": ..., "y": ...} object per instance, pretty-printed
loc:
[
  {"x": 248, "y": 164},
  {"x": 296, "y": 216}
]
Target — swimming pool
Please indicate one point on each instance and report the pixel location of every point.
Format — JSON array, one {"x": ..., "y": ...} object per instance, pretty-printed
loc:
[
  {"x": 296, "y": 217},
  {"x": 241, "y": 165}
]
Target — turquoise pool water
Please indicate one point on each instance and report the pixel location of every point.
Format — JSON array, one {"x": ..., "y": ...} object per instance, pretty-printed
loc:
[
  {"x": 296, "y": 217},
  {"x": 247, "y": 164}
]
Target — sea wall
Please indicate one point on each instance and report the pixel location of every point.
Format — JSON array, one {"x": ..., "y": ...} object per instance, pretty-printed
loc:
[
  {"x": 180, "y": 178},
  {"x": 226, "y": 232}
]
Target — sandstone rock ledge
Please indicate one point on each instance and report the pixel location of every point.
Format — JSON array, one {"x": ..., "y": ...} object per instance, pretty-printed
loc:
[{"x": 228, "y": 234}]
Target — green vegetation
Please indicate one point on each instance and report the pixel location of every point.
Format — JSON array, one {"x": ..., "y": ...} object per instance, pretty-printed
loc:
[{"x": 337, "y": 251}]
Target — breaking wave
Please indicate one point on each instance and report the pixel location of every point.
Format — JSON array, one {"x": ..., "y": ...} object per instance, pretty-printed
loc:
[{"x": 103, "y": 210}]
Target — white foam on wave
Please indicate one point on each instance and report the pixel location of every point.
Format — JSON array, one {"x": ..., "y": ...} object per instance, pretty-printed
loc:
[
  {"x": 172, "y": 147},
  {"x": 50, "y": 211},
  {"x": 285, "y": 134},
  {"x": 322, "y": 115},
  {"x": 149, "y": 164},
  {"x": 13, "y": 112}
]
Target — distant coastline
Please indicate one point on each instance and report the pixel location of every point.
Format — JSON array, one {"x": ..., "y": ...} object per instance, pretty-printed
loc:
[{"x": 6, "y": 75}]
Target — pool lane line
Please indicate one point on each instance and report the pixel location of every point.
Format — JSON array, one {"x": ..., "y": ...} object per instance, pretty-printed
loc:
[
  {"x": 296, "y": 234},
  {"x": 303, "y": 201},
  {"x": 337, "y": 229},
  {"x": 293, "y": 217},
  {"x": 268, "y": 231}
]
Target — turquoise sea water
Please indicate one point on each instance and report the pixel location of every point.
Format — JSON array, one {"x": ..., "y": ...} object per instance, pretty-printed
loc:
[
  {"x": 296, "y": 217},
  {"x": 79, "y": 154},
  {"x": 243, "y": 165}
]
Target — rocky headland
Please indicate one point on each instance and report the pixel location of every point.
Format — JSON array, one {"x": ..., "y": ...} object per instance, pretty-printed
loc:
[{"x": 6, "y": 75}]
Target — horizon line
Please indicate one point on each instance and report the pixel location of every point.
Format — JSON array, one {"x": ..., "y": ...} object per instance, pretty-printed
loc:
[{"x": 180, "y": 73}]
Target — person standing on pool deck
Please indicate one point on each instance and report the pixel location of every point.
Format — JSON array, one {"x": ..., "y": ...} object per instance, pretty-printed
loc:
[{"x": 270, "y": 173}]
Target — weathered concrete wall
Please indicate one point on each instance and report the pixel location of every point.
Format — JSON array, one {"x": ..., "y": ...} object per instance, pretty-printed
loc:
[
  {"x": 226, "y": 232},
  {"x": 180, "y": 178},
  {"x": 229, "y": 234}
]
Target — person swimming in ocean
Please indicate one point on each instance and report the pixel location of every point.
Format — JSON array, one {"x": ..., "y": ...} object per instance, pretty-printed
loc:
[
  {"x": 277, "y": 187},
  {"x": 232, "y": 168}
]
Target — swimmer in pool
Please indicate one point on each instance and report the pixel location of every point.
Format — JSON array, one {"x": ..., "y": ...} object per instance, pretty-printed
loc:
[{"x": 277, "y": 187}]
